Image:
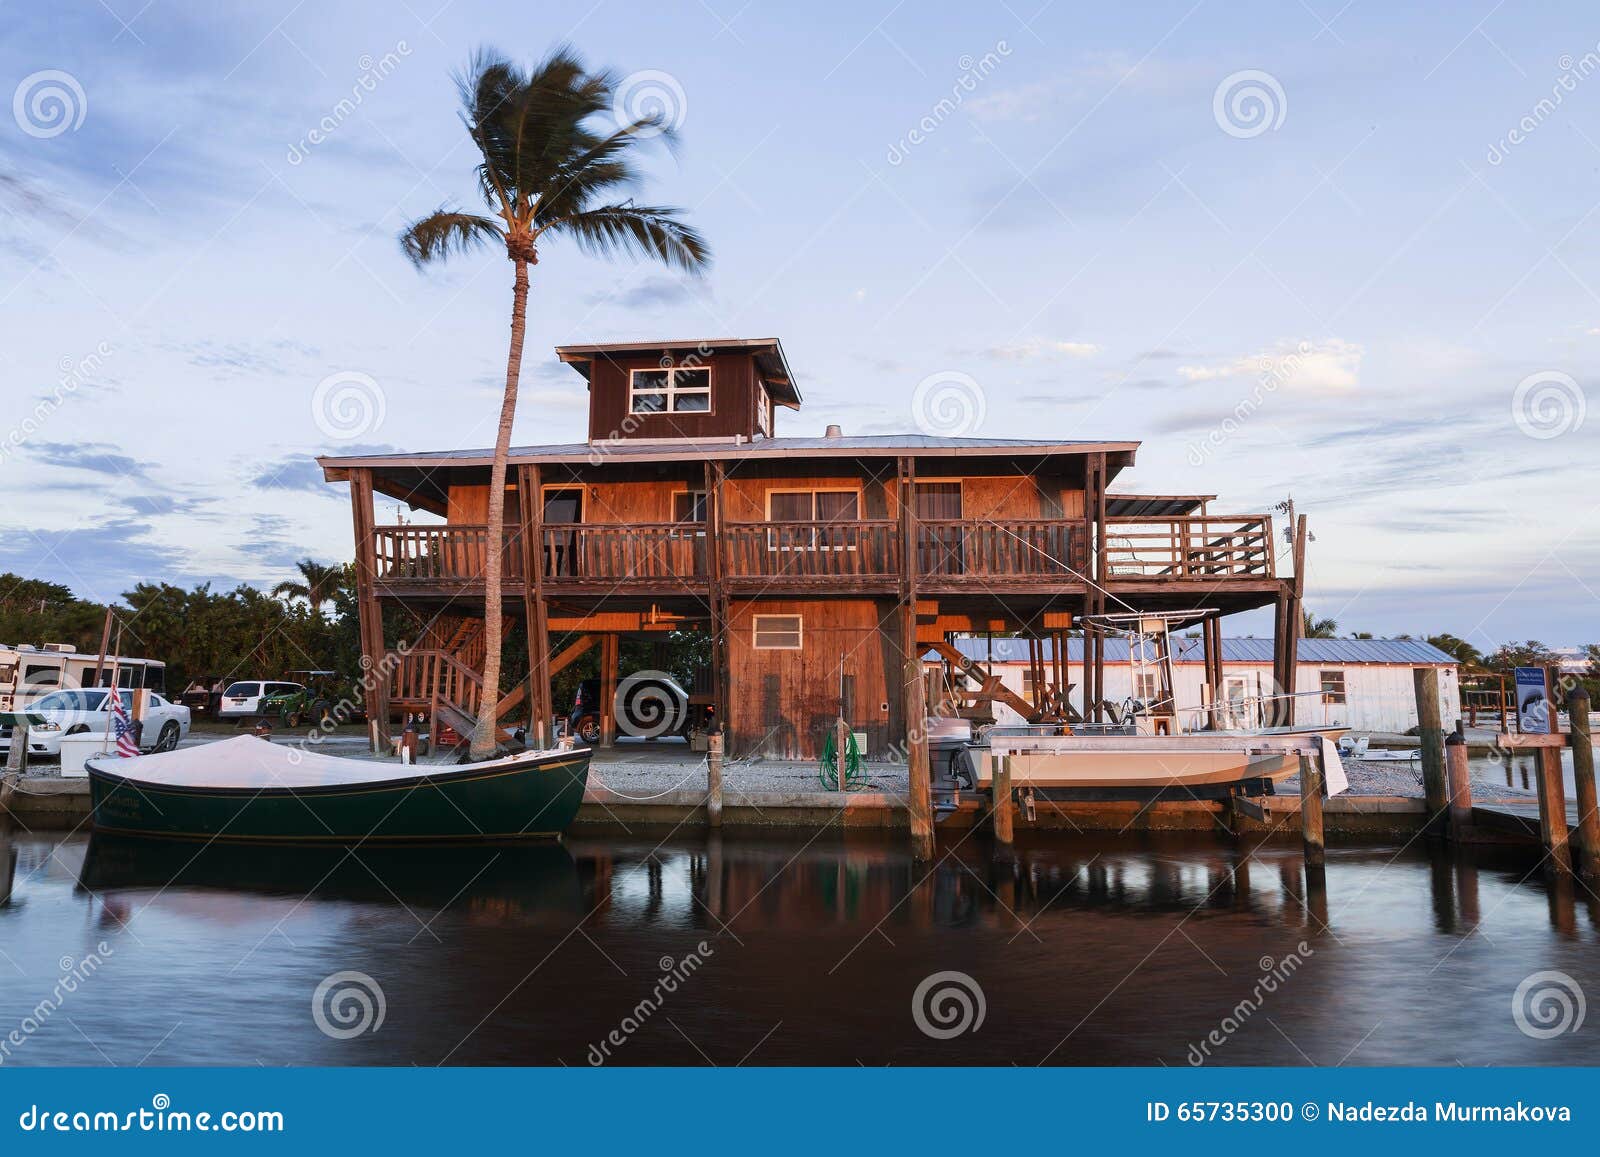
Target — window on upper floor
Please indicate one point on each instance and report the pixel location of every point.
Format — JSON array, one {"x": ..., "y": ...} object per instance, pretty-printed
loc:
[
  {"x": 670, "y": 391},
  {"x": 689, "y": 506}
]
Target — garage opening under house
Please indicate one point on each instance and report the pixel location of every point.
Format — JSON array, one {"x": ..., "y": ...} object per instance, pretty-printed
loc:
[{"x": 819, "y": 569}]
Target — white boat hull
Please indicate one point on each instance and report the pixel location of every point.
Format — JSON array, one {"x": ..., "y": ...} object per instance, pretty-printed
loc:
[{"x": 1141, "y": 766}]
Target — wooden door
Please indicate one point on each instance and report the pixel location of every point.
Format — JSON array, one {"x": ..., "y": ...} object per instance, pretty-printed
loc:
[{"x": 563, "y": 511}]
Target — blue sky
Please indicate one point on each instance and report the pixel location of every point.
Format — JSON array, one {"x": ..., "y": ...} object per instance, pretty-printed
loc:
[{"x": 1381, "y": 295}]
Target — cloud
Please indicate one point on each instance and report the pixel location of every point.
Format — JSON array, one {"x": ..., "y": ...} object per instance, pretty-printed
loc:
[
  {"x": 300, "y": 472},
  {"x": 98, "y": 457},
  {"x": 1330, "y": 366},
  {"x": 97, "y": 562},
  {"x": 651, "y": 293},
  {"x": 151, "y": 505},
  {"x": 1039, "y": 348}
]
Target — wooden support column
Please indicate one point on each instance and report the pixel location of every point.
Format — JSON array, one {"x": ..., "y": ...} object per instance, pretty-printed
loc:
[
  {"x": 1553, "y": 831},
  {"x": 1435, "y": 790},
  {"x": 1291, "y": 666},
  {"x": 1583, "y": 774},
  {"x": 536, "y": 611},
  {"x": 1458, "y": 780},
  {"x": 1311, "y": 811},
  {"x": 1003, "y": 806},
  {"x": 716, "y": 593},
  {"x": 714, "y": 780},
  {"x": 920, "y": 789},
  {"x": 369, "y": 612},
  {"x": 608, "y": 689},
  {"x": 1095, "y": 640}
]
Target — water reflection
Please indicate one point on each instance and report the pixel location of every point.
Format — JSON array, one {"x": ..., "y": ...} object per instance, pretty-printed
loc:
[{"x": 1089, "y": 950}]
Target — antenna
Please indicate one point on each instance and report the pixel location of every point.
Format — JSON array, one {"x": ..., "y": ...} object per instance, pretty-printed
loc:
[{"x": 1286, "y": 507}]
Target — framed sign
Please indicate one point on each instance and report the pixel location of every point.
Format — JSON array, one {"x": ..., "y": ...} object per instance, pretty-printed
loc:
[{"x": 1534, "y": 716}]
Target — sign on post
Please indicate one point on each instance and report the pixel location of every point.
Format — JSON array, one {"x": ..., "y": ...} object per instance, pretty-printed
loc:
[{"x": 1534, "y": 716}]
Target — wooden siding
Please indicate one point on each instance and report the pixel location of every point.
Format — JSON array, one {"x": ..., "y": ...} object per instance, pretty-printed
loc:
[
  {"x": 734, "y": 387},
  {"x": 783, "y": 702}
]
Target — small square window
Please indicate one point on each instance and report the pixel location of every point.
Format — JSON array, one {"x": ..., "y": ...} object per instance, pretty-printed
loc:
[
  {"x": 777, "y": 632},
  {"x": 1333, "y": 687}
]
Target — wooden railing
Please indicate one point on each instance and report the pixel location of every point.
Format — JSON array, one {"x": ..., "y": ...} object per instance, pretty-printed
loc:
[
  {"x": 1199, "y": 546},
  {"x": 1009, "y": 549},
  {"x": 624, "y": 553},
  {"x": 1195, "y": 546},
  {"x": 812, "y": 550},
  {"x": 455, "y": 551}
]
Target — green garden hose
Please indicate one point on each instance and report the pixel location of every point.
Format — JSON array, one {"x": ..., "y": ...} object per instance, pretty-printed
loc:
[{"x": 854, "y": 776}]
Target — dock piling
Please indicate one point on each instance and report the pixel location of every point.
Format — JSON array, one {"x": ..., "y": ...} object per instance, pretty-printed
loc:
[
  {"x": 1431, "y": 731},
  {"x": 714, "y": 779},
  {"x": 1311, "y": 811},
  {"x": 1459, "y": 781},
  {"x": 1583, "y": 775},
  {"x": 1553, "y": 810},
  {"x": 1004, "y": 806},
  {"x": 919, "y": 794}
]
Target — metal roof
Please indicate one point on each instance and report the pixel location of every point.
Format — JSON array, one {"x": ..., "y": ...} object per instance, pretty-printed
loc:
[
  {"x": 1155, "y": 505},
  {"x": 1352, "y": 652},
  {"x": 678, "y": 450}
]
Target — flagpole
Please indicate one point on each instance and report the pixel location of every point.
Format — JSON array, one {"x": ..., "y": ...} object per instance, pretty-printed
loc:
[{"x": 115, "y": 661}]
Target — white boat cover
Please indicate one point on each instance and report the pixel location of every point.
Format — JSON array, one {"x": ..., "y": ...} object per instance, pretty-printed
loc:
[{"x": 248, "y": 762}]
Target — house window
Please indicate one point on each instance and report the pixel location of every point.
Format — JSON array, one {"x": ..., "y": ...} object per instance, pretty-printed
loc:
[
  {"x": 1144, "y": 685},
  {"x": 670, "y": 391},
  {"x": 1333, "y": 686},
  {"x": 689, "y": 506},
  {"x": 763, "y": 413},
  {"x": 777, "y": 632},
  {"x": 809, "y": 507}
]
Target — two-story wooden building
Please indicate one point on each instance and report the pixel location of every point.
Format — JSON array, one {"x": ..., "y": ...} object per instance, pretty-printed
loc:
[{"x": 815, "y": 564}]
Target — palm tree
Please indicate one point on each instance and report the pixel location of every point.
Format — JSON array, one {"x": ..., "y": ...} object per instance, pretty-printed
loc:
[
  {"x": 321, "y": 582},
  {"x": 548, "y": 167},
  {"x": 1315, "y": 628}
]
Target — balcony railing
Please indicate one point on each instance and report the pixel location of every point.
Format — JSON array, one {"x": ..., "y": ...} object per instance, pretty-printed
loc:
[
  {"x": 1196, "y": 546},
  {"x": 822, "y": 552}
]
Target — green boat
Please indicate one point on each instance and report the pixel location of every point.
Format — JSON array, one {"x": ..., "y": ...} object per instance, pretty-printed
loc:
[{"x": 251, "y": 789}]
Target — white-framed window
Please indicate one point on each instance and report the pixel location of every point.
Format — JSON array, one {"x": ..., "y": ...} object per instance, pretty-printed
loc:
[
  {"x": 689, "y": 506},
  {"x": 684, "y": 390},
  {"x": 1333, "y": 686},
  {"x": 1144, "y": 685},
  {"x": 777, "y": 632},
  {"x": 763, "y": 412}
]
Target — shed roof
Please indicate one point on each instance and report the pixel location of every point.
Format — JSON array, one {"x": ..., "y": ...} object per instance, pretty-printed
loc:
[
  {"x": 1404, "y": 652},
  {"x": 1155, "y": 505}
]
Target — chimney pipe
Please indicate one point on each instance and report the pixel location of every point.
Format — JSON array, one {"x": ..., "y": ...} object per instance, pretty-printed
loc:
[{"x": 833, "y": 432}]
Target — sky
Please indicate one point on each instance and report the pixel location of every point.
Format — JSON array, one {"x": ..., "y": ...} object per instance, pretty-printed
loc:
[{"x": 1348, "y": 252}]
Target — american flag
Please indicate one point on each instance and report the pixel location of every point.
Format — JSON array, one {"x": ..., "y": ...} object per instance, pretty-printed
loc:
[{"x": 127, "y": 745}]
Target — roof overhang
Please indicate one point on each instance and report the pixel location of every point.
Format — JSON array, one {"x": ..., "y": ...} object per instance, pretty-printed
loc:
[
  {"x": 771, "y": 365},
  {"x": 1155, "y": 505}
]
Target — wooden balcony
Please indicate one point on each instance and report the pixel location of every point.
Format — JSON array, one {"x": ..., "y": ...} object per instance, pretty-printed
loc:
[
  {"x": 949, "y": 554},
  {"x": 1190, "y": 547}
]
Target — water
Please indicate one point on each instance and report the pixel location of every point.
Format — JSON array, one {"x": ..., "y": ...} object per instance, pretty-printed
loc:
[{"x": 1125, "y": 951}]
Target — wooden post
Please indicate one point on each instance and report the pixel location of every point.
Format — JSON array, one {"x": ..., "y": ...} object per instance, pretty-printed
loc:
[
  {"x": 1580, "y": 738},
  {"x": 1459, "y": 782},
  {"x": 608, "y": 689},
  {"x": 1431, "y": 732},
  {"x": 137, "y": 715},
  {"x": 105, "y": 645},
  {"x": 17, "y": 756},
  {"x": 369, "y": 612},
  {"x": 1003, "y": 808},
  {"x": 718, "y": 605},
  {"x": 920, "y": 796},
  {"x": 536, "y": 616},
  {"x": 1553, "y": 810},
  {"x": 714, "y": 780},
  {"x": 841, "y": 746},
  {"x": 1311, "y": 810}
]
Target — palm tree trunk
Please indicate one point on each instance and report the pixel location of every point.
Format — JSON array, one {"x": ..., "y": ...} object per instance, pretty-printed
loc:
[{"x": 483, "y": 739}]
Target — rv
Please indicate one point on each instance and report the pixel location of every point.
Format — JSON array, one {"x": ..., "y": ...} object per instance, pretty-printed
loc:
[{"x": 26, "y": 673}]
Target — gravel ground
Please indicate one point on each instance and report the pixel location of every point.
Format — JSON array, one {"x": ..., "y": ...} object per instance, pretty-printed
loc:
[{"x": 644, "y": 775}]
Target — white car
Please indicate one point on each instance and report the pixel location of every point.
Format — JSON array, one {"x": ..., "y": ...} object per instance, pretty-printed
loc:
[
  {"x": 86, "y": 710},
  {"x": 243, "y": 700}
]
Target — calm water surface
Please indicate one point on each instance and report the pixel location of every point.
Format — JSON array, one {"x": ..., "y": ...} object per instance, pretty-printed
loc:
[{"x": 1085, "y": 951}]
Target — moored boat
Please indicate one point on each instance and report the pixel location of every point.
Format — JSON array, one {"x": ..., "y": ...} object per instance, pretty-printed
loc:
[{"x": 253, "y": 790}]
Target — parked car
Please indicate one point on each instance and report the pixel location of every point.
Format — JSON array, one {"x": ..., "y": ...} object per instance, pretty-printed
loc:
[
  {"x": 243, "y": 700},
  {"x": 84, "y": 710},
  {"x": 643, "y": 698},
  {"x": 203, "y": 696}
]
